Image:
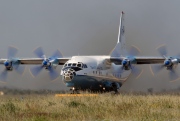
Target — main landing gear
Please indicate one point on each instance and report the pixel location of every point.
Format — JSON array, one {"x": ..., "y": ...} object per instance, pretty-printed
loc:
[
  {"x": 115, "y": 89},
  {"x": 108, "y": 87}
]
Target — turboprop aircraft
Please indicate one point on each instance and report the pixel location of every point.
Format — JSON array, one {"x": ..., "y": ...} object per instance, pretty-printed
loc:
[{"x": 94, "y": 73}]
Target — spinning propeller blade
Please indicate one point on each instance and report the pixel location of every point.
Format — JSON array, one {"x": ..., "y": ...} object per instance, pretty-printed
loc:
[
  {"x": 53, "y": 73},
  {"x": 11, "y": 63},
  {"x": 134, "y": 51},
  {"x": 173, "y": 75},
  {"x": 18, "y": 68},
  {"x": 129, "y": 61},
  {"x": 36, "y": 70},
  {"x": 12, "y": 51},
  {"x": 162, "y": 49},
  {"x": 39, "y": 52},
  {"x": 57, "y": 54},
  {"x": 156, "y": 68},
  {"x": 136, "y": 71},
  {"x": 47, "y": 63},
  {"x": 168, "y": 63}
]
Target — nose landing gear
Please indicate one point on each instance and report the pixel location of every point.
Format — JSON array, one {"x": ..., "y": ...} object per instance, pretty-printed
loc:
[{"x": 73, "y": 90}]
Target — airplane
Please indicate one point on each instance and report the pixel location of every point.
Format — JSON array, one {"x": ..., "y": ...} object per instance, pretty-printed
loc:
[{"x": 93, "y": 73}]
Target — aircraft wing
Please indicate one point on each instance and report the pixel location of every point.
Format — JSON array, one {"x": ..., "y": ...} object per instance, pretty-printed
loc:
[
  {"x": 139, "y": 60},
  {"x": 116, "y": 60},
  {"x": 34, "y": 61}
]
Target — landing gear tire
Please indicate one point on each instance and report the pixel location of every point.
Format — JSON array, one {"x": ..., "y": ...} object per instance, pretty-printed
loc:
[
  {"x": 115, "y": 88},
  {"x": 74, "y": 91}
]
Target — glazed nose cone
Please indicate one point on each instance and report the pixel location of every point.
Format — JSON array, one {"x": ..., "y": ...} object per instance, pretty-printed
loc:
[{"x": 68, "y": 74}]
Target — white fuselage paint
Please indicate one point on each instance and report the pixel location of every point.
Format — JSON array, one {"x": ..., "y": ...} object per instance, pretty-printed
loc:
[{"x": 98, "y": 67}]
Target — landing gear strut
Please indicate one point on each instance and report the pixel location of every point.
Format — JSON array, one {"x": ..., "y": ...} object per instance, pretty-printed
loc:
[{"x": 116, "y": 91}]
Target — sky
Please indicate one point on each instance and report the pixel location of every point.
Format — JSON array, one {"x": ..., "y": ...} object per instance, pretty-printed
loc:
[{"x": 88, "y": 28}]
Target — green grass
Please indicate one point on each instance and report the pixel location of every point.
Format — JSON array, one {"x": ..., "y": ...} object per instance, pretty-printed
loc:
[{"x": 106, "y": 107}]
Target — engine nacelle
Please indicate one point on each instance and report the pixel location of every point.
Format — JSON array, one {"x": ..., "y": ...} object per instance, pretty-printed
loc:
[
  {"x": 46, "y": 63},
  {"x": 170, "y": 63}
]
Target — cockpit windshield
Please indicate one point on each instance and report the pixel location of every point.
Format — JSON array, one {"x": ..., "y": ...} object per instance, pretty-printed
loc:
[{"x": 79, "y": 64}]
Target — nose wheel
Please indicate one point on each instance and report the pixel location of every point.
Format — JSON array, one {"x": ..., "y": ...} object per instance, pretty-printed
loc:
[{"x": 74, "y": 91}]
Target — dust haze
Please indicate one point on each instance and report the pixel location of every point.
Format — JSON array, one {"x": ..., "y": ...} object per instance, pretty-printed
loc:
[{"x": 88, "y": 28}]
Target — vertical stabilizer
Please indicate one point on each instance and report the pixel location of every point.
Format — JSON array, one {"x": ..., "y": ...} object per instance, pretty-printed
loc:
[{"x": 120, "y": 48}]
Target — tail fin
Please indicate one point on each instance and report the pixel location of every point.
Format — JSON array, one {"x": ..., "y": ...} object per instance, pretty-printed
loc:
[{"x": 120, "y": 48}]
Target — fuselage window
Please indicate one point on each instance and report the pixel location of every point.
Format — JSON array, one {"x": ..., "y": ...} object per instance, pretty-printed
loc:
[
  {"x": 79, "y": 65},
  {"x": 69, "y": 64},
  {"x": 74, "y": 64},
  {"x": 65, "y": 65}
]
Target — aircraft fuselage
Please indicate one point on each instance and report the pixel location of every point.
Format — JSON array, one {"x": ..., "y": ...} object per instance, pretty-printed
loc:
[{"x": 94, "y": 73}]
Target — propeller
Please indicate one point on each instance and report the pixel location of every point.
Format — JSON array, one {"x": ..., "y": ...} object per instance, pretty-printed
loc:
[
  {"x": 169, "y": 63},
  {"x": 47, "y": 63},
  {"x": 128, "y": 61},
  {"x": 11, "y": 63}
]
